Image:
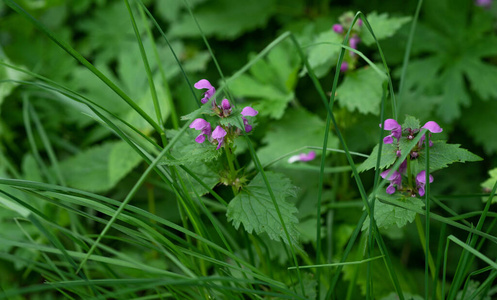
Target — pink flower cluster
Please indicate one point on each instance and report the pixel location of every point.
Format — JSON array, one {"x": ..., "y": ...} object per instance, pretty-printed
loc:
[
  {"x": 350, "y": 58},
  {"x": 396, "y": 134},
  {"x": 224, "y": 110}
]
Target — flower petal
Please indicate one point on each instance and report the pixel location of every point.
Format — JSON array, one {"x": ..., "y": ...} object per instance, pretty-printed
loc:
[
  {"x": 388, "y": 139},
  {"x": 200, "y": 138},
  {"x": 249, "y": 111},
  {"x": 218, "y": 133},
  {"x": 337, "y": 28},
  {"x": 390, "y": 189},
  {"x": 392, "y": 176},
  {"x": 307, "y": 157},
  {"x": 225, "y": 104},
  {"x": 421, "y": 178},
  {"x": 203, "y": 84},
  {"x": 199, "y": 124},
  {"x": 432, "y": 127},
  {"x": 391, "y": 124}
]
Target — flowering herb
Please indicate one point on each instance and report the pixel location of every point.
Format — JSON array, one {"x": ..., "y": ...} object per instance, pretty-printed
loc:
[{"x": 227, "y": 129}]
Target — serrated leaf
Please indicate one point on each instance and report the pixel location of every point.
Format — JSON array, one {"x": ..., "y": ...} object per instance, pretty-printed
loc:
[
  {"x": 99, "y": 168},
  {"x": 411, "y": 122},
  {"x": 254, "y": 208},
  {"x": 482, "y": 77},
  {"x": 383, "y": 26},
  {"x": 387, "y": 215},
  {"x": 297, "y": 128},
  {"x": 271, "y": 83},
  {"x": 387, "y": 158},
  {"x": 479, "y": 122},
  {"x": 224, "y": 19},
  {"x": 361, "y": 90},
  {"x": 322, "y": 54},
  {"x": 442, "y": 155},
  {"x": 201, "y": 159}
]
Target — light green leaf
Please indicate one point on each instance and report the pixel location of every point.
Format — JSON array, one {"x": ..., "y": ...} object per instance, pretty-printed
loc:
[
  {"x": 441, "y": 155},
  {"x": 383, "y": 26},
  {"x": 361, "y": 90},
  {"x": 322, "y": 54},
  {"x": 99, "y": 168},
  {"x": 387, "y": 215},
  {"x": 387, "y": 158},
  {"x": 271, "y": 83},
  {"x": 224, "y": 19},
  {"x": 254, "y": 208},
  {"x": 297, "y": 128},
  {"x": 488, "y": 184}
]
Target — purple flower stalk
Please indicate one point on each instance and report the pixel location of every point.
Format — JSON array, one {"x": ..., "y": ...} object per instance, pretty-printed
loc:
[
  {"x": 204, "y": 126},
  {"x": 395, "y": 129},
  {"x": 205, "y": 84},
  {"x": 338, "y": 28},
  {"x": 218, "y": 134},
  {"x": 421, "y": 182},
  {"x": 302, "y": 157}
]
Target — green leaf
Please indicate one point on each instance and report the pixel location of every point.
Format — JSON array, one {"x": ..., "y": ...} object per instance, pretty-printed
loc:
[
  {"x": 187, "y": 151},
  {"x": 411, "y": 122},
  {"x": 100, "y": 168},
  {"x": 322, "y": 54},
  {"x": 361, "y": 90},
  {"x": 383, "y": 27},
  {"x": 479, "y": 122},
  {"x": 201, "y": 159},
  {"x": 254, "y": 208},
  {"x": 488, "y": 184},
  {"x": 482, "y": 77},
  {"x": 271, "y": 82},
  {"x": 387, "y": 215},
  {"x": 297, "y": 128},
  {"x": 6, "y": 88},
  {"x": 387, "y": 158},
  {"x": 441, "y": 155},
  {"x": 224, "y": 19}
]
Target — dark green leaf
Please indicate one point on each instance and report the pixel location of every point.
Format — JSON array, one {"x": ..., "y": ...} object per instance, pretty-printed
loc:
[{"x": 254, "y": 208}]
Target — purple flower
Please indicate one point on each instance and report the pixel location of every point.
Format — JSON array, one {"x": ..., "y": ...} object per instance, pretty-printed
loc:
[
  {"x": 359, "y": 22},
  {"x": 218, "y": 134},
  {"x": 395, "y": 179},
  {"x": 302, "y": 157},
  {"x": 205, "y": 84},
  {"x": 432, "y": 127},
  {"x": 337, "y": 28},
  {"x": 249, "y": 112},
  {"x": 204, "y": 126},
  {"x": 483, "y": 3},
  {"x": 395, "y": 129},
  {"x": 344, "y": 67},
  {"x": 225, "y": 108},
  {"x": 421, "y": 182},
  {"x": 354, "y": 40}
]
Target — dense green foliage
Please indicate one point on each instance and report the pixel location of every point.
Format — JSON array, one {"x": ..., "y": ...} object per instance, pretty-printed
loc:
[{"x": 104, "y": 193}]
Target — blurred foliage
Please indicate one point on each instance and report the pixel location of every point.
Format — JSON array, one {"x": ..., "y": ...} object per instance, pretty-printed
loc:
[{"x": 451, "y": 78}]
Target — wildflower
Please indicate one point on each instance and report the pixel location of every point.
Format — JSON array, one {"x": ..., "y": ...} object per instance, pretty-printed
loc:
[
  {"x": 354, "y": 41},
  {"x": 205, "y": 84},
  {"x": 337, "y": 28},
  {"x": 250, "y": 112},
  {"x": 218, "y": 134},
  {"x": 225, "y": 108},
  {"x": 344, "y": 67},
  {"x": 421, "y": 182},
  {"x": 302, "y": 157},
  {"x": 395, "y": 129},
  {"x": 432, "y": 127},
  {"x": 204, "y": 126},
  {"x": 395, "y": 179}
]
